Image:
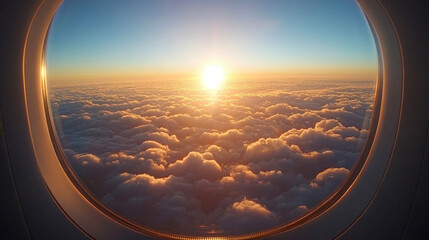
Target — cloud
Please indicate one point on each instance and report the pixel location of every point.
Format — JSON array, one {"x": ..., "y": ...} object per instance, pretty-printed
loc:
[
  {"x": 238, "y": 161},
  {"x": 196, "y": 166},
  {"x": 246, "y": 215},
  {"x": 330, "y": 178},
  {"x": 249, "y": 207}
]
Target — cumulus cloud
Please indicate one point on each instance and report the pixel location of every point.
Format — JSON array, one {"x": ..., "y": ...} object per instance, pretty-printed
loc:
[
  {"x": 196, "y": 166},
  {"x": 178, "y": 159},
  {"x": 246, "y": 215}
]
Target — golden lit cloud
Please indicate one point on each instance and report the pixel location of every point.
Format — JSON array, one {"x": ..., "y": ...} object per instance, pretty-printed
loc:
[{"x": 249, "y": 206}]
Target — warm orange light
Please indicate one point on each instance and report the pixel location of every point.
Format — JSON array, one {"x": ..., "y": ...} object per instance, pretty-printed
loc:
[
  {"x": 213, "y": 77},
  {"x": 43, "y": 72}
]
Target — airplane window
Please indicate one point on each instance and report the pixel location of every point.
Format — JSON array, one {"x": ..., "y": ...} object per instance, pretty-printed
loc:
[{"x": 211, "y": 118}]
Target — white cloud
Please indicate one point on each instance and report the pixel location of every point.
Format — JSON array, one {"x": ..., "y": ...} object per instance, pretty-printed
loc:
[{"x": 241, "y": 160}]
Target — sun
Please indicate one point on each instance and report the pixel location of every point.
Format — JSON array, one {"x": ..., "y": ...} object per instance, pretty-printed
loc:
[{"x": 213, "y": 77}]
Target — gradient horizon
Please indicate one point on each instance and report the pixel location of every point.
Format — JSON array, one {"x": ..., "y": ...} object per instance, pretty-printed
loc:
[{"x": 166, "y": 40}]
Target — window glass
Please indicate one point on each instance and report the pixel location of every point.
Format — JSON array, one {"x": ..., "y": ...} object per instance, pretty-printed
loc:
[{"x": 211, "y": 117}]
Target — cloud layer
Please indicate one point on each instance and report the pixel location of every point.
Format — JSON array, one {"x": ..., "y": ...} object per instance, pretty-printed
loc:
[{"x": 181, "y": 159}]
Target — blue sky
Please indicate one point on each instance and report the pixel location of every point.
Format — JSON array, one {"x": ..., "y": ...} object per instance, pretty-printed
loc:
[{"x": 138, "y": 37}]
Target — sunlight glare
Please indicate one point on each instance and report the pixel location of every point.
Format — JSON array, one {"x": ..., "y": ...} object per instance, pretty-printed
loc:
[{"x": 213, "y": 76}]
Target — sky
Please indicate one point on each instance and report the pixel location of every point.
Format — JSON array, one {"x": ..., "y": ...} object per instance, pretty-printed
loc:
[{"x": 146, "y": 39}]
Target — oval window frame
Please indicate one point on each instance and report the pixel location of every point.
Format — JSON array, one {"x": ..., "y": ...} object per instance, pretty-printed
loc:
[{"x": 344, "y": 208}]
